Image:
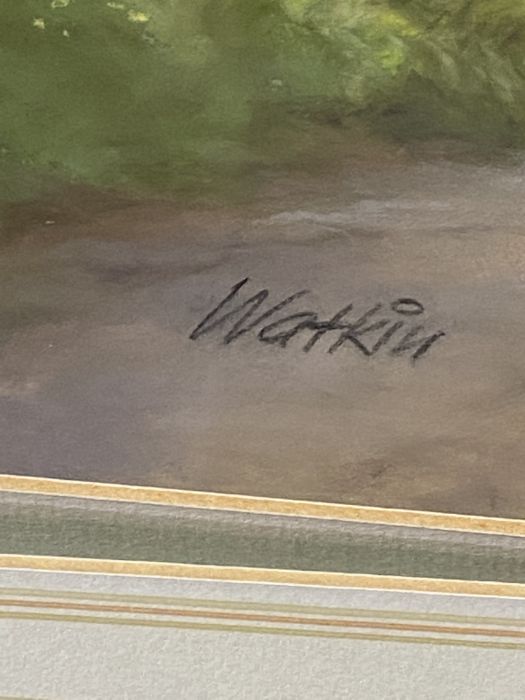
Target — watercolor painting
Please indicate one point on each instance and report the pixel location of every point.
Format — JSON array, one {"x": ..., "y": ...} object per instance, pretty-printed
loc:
[{"x": 266, "y": 247}]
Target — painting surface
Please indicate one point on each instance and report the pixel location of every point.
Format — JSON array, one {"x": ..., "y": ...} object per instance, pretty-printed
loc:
[{"x": 271, "y": 247}]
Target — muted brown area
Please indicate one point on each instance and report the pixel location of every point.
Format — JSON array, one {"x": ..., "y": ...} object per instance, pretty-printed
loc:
[{"x": 99, "y": 380}]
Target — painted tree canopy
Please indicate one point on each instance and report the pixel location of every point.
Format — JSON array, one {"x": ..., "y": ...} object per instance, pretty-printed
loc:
[{"x": 170, "y": 95}]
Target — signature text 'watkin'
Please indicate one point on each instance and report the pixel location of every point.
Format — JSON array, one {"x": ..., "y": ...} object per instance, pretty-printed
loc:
[{"x": 395, "y": 328}]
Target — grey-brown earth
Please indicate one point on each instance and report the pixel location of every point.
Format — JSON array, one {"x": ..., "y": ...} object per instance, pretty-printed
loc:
[{"x": 99, "y": 379}]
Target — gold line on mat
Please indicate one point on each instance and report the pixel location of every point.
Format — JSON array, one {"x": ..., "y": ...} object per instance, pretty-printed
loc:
[
  {"x": 251, "y": 575},
  {"x": 251, "y": 629},
  {"x": 261, "y": 505},
  {"x": 271, "y": 607},
  {"x": 258, "y": 617}
]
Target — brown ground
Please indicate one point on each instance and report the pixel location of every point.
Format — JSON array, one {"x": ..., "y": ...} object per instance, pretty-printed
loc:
[{"x": 99, "y": 379}]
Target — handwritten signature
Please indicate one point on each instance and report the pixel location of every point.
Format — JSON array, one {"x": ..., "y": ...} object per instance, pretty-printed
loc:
[{"x": 395, "y": 328}]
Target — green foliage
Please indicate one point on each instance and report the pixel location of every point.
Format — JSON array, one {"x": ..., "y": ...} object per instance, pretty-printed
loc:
[{"x": 174, "y": 95}]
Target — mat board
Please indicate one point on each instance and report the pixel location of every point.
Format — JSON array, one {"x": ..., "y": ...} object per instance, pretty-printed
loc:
[{"x": 149, "y": 636}]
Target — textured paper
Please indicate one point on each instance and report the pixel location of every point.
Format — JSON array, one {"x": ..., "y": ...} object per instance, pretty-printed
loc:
[{"x": 162, "y": 638}]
